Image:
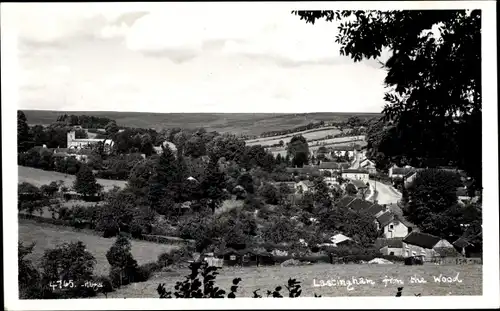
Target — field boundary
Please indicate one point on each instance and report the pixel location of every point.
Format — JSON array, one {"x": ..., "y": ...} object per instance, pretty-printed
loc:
[
  {"x": 254, "y": 140},
  {"x": 58, "y": 223}
]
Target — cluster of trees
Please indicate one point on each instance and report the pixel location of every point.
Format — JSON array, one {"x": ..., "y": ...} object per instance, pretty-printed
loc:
[
  {"x": 66, "y": 262},
  {"x": 53, "y": 136},
  {"x": 431, "y": 202},
  {"x": 89, "y": 122},
  {"x": 309, "y": 126},
  {"x": 31, "y": 198},
  {"x": 67, "y": 271},
  {"x": 434, "y": 102},
  {"x": 434, "y": 80}
]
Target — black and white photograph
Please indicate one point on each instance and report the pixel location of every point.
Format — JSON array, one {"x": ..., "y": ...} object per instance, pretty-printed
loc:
[{"x": 326, "y": 151}]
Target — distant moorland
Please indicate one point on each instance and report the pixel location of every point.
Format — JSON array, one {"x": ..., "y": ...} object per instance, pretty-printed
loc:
[{"x": 237, "y": 123}]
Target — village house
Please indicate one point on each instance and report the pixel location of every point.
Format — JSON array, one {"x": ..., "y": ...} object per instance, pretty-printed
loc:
[
  {"x": 304, "y": 186},
  {"x": 390, "y": 247},
  {"x": 159, "y": 149},
  {"x": 400, "y": 172},
  {"x": 342, "y": 151},
  {"x": 467, "y": 248},
  {"x": 303, "y": 171},
  {"x": 393, "y": 226},
  {"x": 345, "y": 201},
  {"x": 245, "y": 257},
  {"x": 356, "y": 174},
  {"x": 368, "y": 165},
  {"x": 360, "y": 185},
  {"x": 340, "y": 239},
  {"x": 375, "y": 210},
  {"x": 462, "y": 195},
  {"x": 355, "y": 204},
  {"x": 427, "y": 246},
  {"x": 332, "y": 167},
  {"x": 81, "y": 155},
  {"x": 409, "y": 178},
  {"x": 73, "y": 143}
]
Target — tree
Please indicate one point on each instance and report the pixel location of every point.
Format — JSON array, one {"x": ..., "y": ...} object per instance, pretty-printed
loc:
[
  {"x": 322, "y": 194},
  {"x": 50, "y": 189},
  {"x": 68, "y": 261},
  {"x": 279, "y": 230},
  {"x": 432, "y": 200},
  {"x": 227, "y": 146},
  {"x": 81, "y": 134},
  {"x": 298, "y": 149},
  {"x": 117, "y": 213},
  {"x": 213, "y": 184},
  {"x": 351, "y": 189},
  {"x": 111, "y": 128},
  {"x": 139, "y": 176},
  {"x": 85, "y": 182},
  {"x": 279, "y": 159},
  {"x": 356, "y": 225},
  {"x": 123, "y": 265},
  {"x": 165, "y": 181},
  {"x": 434, "y": 80},
  {"x": 269, "y": 193},
  {"x": 246, "y": 181},
  {"x": 195, "y": 147},
  {"x": 23, "y": 135},
  {"x": 29, "y": 277}
]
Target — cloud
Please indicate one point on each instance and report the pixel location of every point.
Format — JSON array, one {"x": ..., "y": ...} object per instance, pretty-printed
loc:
[{"x": 188, "y": 58}]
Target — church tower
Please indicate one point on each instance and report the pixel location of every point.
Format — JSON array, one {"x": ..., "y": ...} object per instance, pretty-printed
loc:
[{"x": 71, "y": 136}]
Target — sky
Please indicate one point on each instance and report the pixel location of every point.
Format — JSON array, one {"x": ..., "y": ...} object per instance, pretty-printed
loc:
[{"x": 190, "y": 57}]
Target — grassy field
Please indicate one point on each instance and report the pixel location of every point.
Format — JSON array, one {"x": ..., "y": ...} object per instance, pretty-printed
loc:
[
  {"x": 264, "y": 278},
  {"x": 309, "y": 135},
  {"x": 47, "y": 237},
  {"x": 39, "y": 177},
  {"x": 237, "y": 123},
  {"x": 313, "y": 146}
]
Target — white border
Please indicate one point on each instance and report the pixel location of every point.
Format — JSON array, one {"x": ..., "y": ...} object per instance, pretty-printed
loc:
[{"x": 491, "y": 278}]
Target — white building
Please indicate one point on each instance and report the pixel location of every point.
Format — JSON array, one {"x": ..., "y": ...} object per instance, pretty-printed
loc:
[
  {"x": 428, "y": 246},
  {"x": 400, "y": 172},
  {"x": 356, "y": 174},
  {"x": 304, "y": 186},
  {"x": 74, "y": 143},
  {"x": 393, "y": 226},
  {"x": 368, "y": 165}
]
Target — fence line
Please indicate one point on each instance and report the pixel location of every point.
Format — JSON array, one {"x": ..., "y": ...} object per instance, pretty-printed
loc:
[
  {"x": 458, "y": 261},
  {"x": 161, "y": 239}
]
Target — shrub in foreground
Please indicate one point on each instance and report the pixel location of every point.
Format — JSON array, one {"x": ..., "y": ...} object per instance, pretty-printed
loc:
[{"x": 200, "y": 283}]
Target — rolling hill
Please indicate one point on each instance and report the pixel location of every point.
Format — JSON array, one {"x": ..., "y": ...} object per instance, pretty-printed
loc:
[{"x": 237, "y": 123}]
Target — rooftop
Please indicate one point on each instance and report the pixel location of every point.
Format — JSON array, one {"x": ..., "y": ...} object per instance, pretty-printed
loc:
[
  {"x": 345, "y": 201},
  {"x": 359, "y": 205},
  {"x": 354, "y": 171},
  {"x": 308, "y": 183},
  {"x": 421, "y": 239},
  {"x": 375, "y": 209},
  {"x": 385, "y": 219},
  {"x": 329, "y": 165},
  {"x": 402, "y": 170},
  {"x": 359, "y": 184},
  {"x": 462, "y": 242},
  {"x": 392, "y": 243}
]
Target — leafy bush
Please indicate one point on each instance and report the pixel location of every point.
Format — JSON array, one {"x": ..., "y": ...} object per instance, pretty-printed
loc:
[
  {"x": 192, "y": 287},
  {"x": 107, "y": 286},
  {"x": 269, "y": 193},
  {"x": 145, "y": 271},
  {"x": 174, "y": 256},
  {"x": 123, "y": 265}
]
